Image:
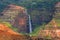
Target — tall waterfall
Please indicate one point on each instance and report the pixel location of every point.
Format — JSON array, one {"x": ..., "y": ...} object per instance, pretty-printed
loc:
[
  {"x": 29, "y": 20},
  {"x": 30, "y": 26}
]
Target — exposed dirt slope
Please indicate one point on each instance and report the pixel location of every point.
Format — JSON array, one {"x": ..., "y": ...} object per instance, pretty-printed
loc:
[
  {"x": 8, "y": 34},
  {"x": 51, "y": 31}
]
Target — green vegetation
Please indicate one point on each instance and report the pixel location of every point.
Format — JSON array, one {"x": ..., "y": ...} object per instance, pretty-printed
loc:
[
  {"x": 48, "y": 37},
  {"x": 37, "y": 30},
  {"x": 57, "y": 22},
  {"x": 40, "y": 10},
  {"x": 9, "y": 25}
]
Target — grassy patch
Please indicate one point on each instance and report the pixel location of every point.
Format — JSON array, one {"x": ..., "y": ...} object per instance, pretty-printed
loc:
[
  {"x": 9, "y": 25},
  {"x": 36, "y": 31},
  {"x": 57, "y": 22}
]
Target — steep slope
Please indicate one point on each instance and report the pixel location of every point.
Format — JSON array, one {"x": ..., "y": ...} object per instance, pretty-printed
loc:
[
  {"x": 8, "y": 34},
  {"x": 16, "y": 16},
  {"x": 51, "y": 31}
]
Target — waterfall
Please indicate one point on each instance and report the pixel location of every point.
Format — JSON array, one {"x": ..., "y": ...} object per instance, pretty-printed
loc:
[
  {"x": 30, "y": 26},
  {"x": 29, "y": 20}
]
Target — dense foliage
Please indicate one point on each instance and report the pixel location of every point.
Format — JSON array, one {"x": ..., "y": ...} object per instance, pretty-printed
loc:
[{"x": 41, "y": 11}]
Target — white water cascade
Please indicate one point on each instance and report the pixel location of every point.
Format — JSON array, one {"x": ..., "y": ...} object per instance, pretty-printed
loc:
[
  {"x": 29, "y": 21},
  {"x": 30, "y": 26}
]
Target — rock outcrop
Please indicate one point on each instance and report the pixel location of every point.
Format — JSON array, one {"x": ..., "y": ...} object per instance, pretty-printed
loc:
[
  {"x": 17, "y": 16},
  {"x": 52, "y": 31}
]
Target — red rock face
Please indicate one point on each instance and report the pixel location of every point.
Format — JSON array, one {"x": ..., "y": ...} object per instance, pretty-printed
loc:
[
  {"x": 21, "y": 22},
  {"x": 57, "y": 4},
  {"x": 8, "y": 34},
  {"x": 57, "y": 10},
  {"x": 17, "y": 16}
]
